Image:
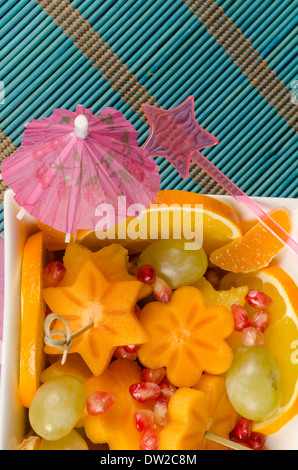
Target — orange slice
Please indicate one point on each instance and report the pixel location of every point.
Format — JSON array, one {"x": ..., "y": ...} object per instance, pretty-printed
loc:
[
  {"x": 254, "y": 250},
  {"x": 53, "y": 239},
  {"x": 33, "y": 315},
  {"x": 281, "y": 337},
  {"x": 219, "y": 222}
]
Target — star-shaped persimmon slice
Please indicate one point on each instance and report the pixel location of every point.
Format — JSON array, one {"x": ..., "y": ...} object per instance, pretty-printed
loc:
[{"x": 110, "y": 306}]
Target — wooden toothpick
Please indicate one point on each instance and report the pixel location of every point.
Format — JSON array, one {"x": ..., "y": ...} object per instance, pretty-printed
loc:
[{"x": 64, "y": 343}]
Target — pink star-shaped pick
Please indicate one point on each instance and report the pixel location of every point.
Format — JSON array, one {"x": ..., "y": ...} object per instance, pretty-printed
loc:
[{"x": 176, "y": 135}]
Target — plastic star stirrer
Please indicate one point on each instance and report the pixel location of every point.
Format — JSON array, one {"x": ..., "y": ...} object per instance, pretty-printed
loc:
[{"x": 176, "y": 136}]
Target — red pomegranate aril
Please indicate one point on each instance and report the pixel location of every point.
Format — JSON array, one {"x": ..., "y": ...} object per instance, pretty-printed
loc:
[
  {"x": 149, "y": 440},
  {"x": 146, "y": 274},
  {"x": 166, "y": 389},
  {"x": 256, "y": 441},
  {"x": 53, "y": 274},
  {"x": 242, "y": 430},
  {"x": 120, "y": 353},
  {"x": 161, "y": 410},
  {"x": 144, "y": 391},
  {"x": 144, "y": 419},
  {"x": 99, "y": 402},
  {"x": 161, "y": 290},
  {"x": 241, "y": 319},
  {"x": 260, "y": 320},
  {"x": 153, "y": 375},
  {"x": 131, "y": 348},
  {"x": 251, "y": 336},
  {"x": 258, "y": 299}
]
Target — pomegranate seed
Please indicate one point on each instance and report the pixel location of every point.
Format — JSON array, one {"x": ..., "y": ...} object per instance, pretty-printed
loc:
[
  {"x": 53, "y": 274},
  {"x": 131, "y": 348},
  {"x": 153, "y": 375},
  {"x": 144, "y": 391},
  {"x": 258, "y": 299},
  {"x": 120, "y": 353},
  {"x": 256, "y": 441},
  {"x": 251, "y": 336},
  {"x": 166, "y": 389},
  {"x": 240, "y": 315},
  {"x": 99, "y": 402},
  {"x": 149, "y": 440},
  {"x": 161, "y": 410},
  {"x": 161, "y": 290},
  {"x": 242, "y": 430},
  {"x": 260, "y": 320},
  {"x": 146, "y": 274},
  {"x": 144, "y": 419}
]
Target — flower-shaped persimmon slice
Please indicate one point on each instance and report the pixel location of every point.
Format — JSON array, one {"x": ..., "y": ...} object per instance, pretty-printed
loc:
[
  {"x": 109, "y": 305},
  {"x": 117, "y": 425},
  {"x": 187, "y": 421},
  {"x": 186, "y": 337}
]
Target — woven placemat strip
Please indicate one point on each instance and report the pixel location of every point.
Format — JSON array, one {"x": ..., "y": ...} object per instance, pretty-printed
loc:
[
  {"x": 246, "y": 58},
  {"x": 7, "y": 148},
  {"x": 165, "y": 39}
]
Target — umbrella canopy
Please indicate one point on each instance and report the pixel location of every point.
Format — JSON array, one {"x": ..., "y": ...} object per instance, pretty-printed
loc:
[{"x": 73, "y": 166}]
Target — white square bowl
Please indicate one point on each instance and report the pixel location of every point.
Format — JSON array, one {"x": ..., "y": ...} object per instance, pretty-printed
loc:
[{"x": 13, "y": 417}]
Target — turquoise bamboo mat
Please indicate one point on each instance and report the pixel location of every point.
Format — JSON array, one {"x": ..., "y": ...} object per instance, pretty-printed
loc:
[{"x": 236, "y": 58}]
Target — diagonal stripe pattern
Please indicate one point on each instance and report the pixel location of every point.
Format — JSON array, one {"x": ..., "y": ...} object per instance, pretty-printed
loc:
[
  {"x": 251, "y": 96},
  {"x": 7, "y": 148},
  {"x": 245, "y": 57}
]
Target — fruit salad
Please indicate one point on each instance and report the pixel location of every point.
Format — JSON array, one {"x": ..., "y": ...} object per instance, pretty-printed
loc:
[{"x": 157, "y": 344}]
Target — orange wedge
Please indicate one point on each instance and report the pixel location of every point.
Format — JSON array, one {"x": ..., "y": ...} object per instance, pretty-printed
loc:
[
  {"x": 281, "y": 337},
  {"x": 254, "y": 250},
  {"x": 33, "y": 315},
  {"x": 53, "y": 239},
  {"x": 219, "y": 222}
]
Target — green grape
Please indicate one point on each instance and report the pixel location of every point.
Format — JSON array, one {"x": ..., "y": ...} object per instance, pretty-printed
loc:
[
  {"x": 72, "y": 441},
  {"x": 177, "y": 265},
  {"x": 56, "y": 407},
  {"x": 254, "y": 383}
]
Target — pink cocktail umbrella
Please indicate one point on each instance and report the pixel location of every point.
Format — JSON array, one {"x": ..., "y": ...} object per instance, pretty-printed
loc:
[{"x": 74, "y": 167}]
